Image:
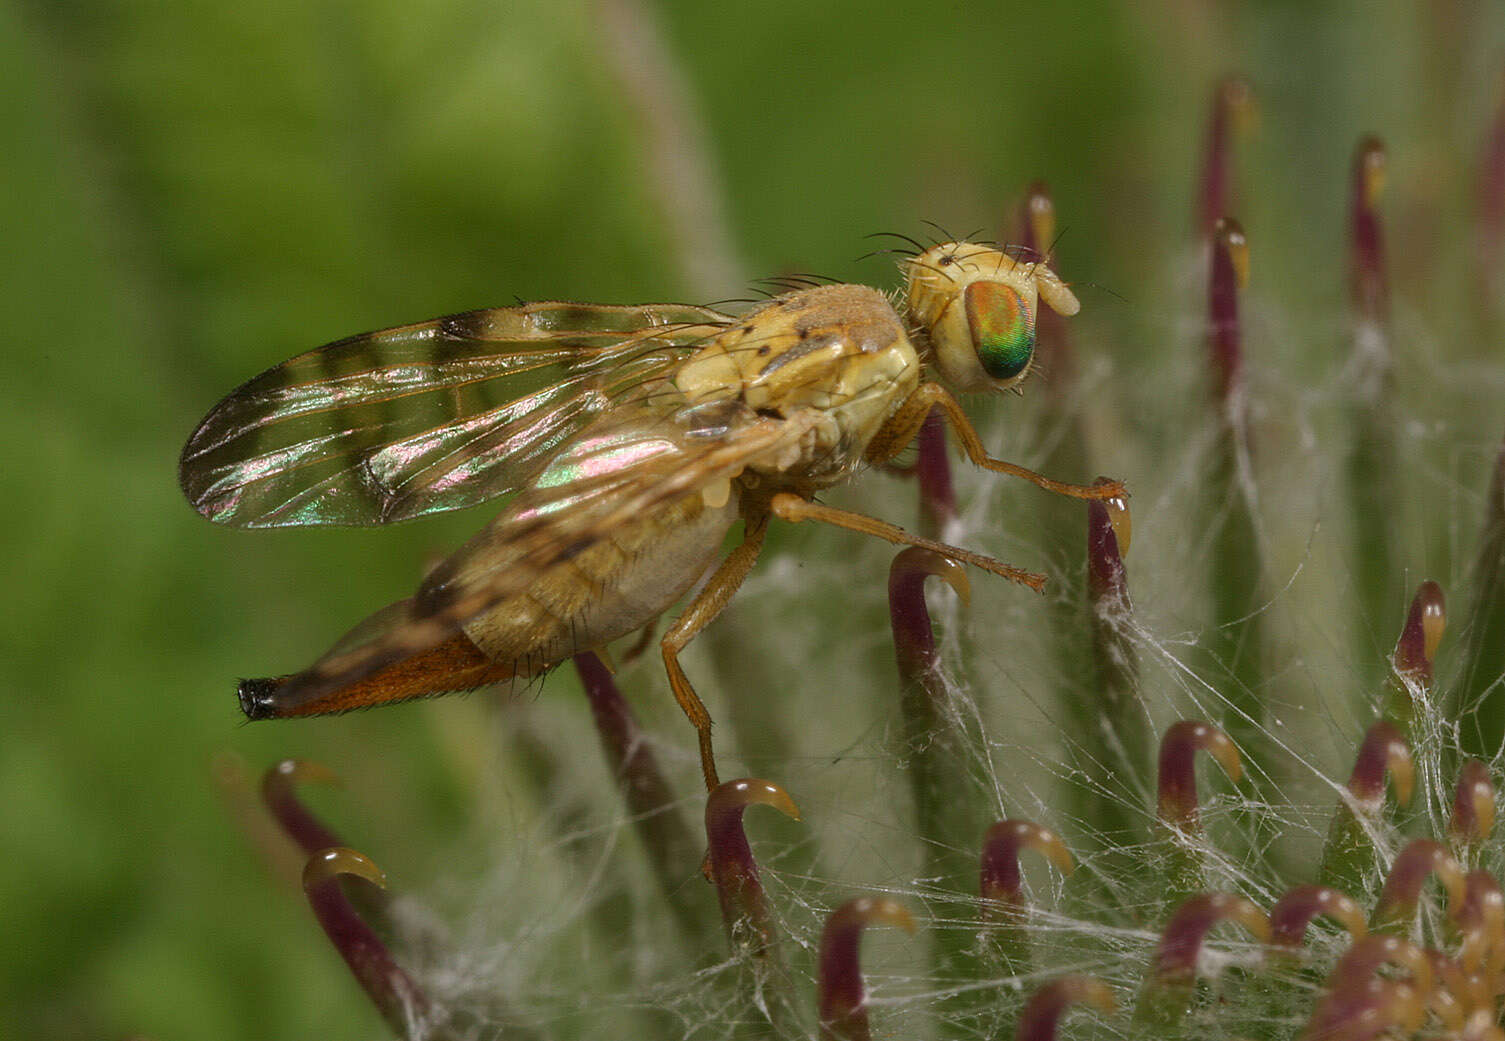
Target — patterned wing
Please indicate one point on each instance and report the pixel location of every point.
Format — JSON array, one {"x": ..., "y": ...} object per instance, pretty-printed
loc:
[
  {"x": 617, "y": 472},
  {"x": 425, "y": 418}
]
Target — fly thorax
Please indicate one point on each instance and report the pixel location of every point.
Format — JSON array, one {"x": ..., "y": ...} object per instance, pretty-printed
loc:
[
  {"x": 837, "y": 356},
  {"x": 709, "y": 375},
  {"x": 816, "y": 444}
]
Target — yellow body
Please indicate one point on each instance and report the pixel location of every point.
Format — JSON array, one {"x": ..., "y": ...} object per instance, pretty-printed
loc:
[
  {"x": 834, "y": 359},
  {"x": 831, "y": 364},
  {"x": 631, "y": 439},
  {"x": 616, "y": 586}
]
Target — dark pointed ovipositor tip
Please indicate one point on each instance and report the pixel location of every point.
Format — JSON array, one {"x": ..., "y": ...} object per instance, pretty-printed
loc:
[{"x": 256, "y": 698}]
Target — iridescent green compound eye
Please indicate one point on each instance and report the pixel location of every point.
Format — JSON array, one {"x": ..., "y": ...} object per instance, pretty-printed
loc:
[{"x": 1003, "y": 329}]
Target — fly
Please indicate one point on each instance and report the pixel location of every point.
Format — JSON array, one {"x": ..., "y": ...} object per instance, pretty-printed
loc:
[{"x": 631, "y": 439}]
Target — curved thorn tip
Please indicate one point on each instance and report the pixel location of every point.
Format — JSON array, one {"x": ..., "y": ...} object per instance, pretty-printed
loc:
[
  {"x": 1382, "y": 750},
  {"x": 1181, "y": 941},
  {"x": 1295, "y": 911},
  {"x": 1473, "y": 804},
  {"x": 329, "y": 864},
  {"x": 1042, "y": 1013},
  {"x": 397, "y": 997},
  {"x": 1366, "y": 1011},
  {"x": 1402, "y": 889},
  {"x": 1001, "y": 877},
  {"x": 1119, "y": 517},
  {"x": 1360, "y": 962},
  {"x": 1370, "y": 165},
  {"x": 1039, "y": 219},
  {"x": 732, "y": 797},
  {"x": 1229, "y": 238},
  {"x": 1481, "y": 921},
  {"x": 299, "y": 771},
  {"x": 1426, "y": 620},
  {"x": 739, "y": 889},
  {"x": 1236, "y": 97},
  {"x": 1110, "y": 527},
  {"x": 914, "y": 564},
  {"x": 840, "y": 988},
  {"x": 1360, "y": 1005},
  {"x": 1177, "y": 784}
]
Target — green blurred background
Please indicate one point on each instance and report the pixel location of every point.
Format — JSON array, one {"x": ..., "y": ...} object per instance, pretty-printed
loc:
[{"x": 194, "y": 191}]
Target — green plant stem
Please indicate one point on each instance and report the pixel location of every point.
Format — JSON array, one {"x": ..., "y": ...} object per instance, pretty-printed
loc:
[{"x": 1480, "y": 690}]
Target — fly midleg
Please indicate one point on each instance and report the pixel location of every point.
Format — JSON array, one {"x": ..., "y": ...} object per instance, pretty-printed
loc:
[{"x": 701, "y": 613}]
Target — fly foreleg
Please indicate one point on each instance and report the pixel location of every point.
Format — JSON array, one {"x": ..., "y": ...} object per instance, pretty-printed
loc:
[
  {"x": 904, "y": 425},
  {"x": 702, "y": 612}
]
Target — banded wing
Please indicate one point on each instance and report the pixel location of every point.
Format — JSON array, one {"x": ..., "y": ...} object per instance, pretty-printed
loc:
[
  {"x": 620, "y": 471},
  {"x": 425, "y": 418}
]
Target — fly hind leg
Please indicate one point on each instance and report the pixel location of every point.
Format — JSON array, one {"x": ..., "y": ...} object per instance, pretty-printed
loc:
[
  {"x": 702, "y": 612},
  {"x": 794, "y": 508}
]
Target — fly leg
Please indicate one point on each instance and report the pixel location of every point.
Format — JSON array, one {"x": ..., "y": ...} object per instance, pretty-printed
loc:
[
  {"x": 701, "y": 613},
  {"x": 641, "y": 644},
  {"x": 904, "y": 425},
  {"x": 790, "y": 507}
]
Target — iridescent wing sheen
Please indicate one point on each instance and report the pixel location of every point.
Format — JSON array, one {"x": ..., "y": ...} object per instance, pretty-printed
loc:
[
  {"x": 618, "y": 472},
  {"x": 430, "y": 417}
]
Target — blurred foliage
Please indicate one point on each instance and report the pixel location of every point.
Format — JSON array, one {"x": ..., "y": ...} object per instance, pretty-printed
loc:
[{"x": 196, "y": 190}]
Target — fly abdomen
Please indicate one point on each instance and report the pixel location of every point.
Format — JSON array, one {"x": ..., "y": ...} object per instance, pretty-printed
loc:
[
  {"x": 456, "y": 664},
  {"x": 613, "y": 587}
]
